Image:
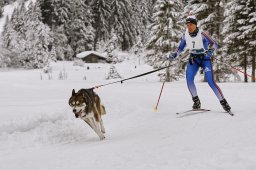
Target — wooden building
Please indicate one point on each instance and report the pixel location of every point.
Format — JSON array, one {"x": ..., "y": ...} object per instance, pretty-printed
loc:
[{"x": 92, "y": 57}]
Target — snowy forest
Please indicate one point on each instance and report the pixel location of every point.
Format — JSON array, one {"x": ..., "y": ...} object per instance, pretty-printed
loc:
[{"x": 50, "y": 30}]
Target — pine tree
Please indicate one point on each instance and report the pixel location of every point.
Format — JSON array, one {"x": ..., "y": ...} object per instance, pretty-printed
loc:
[
  {"x": 56, "y": 12},
  {"x": 113, "y": 74},
  {"x": 60, "y": 41},
  {"x": 26, "y": 38},
  {"x": 122, "y": 21},
  {"x": 18, "y": 19},
  {"x": 80, "y": 31},
  {"x": 1, "y": 9},
  {"x": 4, "y": 57},
  {"x": 101, "y": 13},
  {"x": 235, "y": 40},
  {"x": 248, "y": 32},
  {"x": 166, "y": 31},
  {"x": 13, "y": 42},
  {"x": 38, "y": 39},
  {"x": 47, "y": 10},
  {"x": 62, "y": 12},
  {"x": 1, "y": 54},
  {"x": 7, "y": 33},
  {"x": 142, "y": 18},
  {"x": 111, "y": 46}
]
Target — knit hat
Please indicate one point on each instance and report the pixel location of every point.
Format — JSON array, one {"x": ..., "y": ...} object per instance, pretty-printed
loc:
[{"x": 191, "y": 19}]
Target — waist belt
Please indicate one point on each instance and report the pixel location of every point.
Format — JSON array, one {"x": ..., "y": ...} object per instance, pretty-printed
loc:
[{"x": 200, "y": 57}]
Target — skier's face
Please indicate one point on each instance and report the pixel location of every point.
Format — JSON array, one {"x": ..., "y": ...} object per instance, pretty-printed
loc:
[{"x": 191, "y": 27}]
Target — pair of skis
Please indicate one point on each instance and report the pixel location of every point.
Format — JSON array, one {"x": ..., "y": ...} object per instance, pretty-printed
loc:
[{"x": 194, "y": 111}]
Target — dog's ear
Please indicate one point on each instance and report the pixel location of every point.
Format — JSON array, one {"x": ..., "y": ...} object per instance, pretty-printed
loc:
[{"x": 73, "y": 92}]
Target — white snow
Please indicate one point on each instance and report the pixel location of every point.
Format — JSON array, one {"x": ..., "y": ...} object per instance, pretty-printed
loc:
[{"x": 39, "y": 131}]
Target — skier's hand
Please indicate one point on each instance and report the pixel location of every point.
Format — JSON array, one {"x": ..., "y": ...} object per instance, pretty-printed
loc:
[
  {"x": 171, "y": 57},
  {"x": 209, "y": 54}
]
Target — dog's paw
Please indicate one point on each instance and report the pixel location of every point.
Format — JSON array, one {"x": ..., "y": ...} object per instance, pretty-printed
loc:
[{"x": 102, "y": 137}]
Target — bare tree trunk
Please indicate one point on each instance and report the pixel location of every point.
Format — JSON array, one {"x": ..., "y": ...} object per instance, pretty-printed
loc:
[
  {"x": 219, "y": 27},
  {"x": 253, "y": 68},
  {"x": 245, "y": 69},
  {"x": 217, "y": 72},
  {"x": 168, "y": 76},
  {"x": 95, "y": 41}
]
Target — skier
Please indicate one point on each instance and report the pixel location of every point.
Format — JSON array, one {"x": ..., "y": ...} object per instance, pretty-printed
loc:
[{"x": 201, "y": 47}]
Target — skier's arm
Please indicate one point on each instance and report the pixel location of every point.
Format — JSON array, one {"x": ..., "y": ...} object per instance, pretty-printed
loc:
[
  {"x": 181, "y": 47},
  {"x": 209, "y": 44}
]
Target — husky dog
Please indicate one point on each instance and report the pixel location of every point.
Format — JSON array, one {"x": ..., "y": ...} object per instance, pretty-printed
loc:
[{"x": 86, "y": 105}]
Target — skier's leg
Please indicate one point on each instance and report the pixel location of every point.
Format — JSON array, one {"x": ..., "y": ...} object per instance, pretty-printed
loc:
[
  {"x": 190, "y": 75},
  {"x": 207, "y": 66}
]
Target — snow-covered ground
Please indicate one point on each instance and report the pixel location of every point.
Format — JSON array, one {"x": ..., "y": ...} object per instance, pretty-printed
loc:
[{"x": 39, "y": 131}]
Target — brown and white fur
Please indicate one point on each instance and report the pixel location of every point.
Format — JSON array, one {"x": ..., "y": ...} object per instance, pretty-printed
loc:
[{"x": 87, "y": 105}]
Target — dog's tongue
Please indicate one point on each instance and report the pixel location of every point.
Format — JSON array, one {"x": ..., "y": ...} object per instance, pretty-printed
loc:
[{"x": 78, "y": 114}]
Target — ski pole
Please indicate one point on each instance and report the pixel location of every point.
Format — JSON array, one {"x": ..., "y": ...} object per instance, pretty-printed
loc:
[
  {"x": 237, "y": 69},
  {"x": 155, "y": 109}
]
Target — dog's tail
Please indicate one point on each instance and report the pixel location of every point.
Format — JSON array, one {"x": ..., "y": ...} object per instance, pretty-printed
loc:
[{"x": 99, "y": 105}]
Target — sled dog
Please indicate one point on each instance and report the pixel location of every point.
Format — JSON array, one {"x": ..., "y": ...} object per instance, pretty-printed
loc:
[{"x": 87, "y": 105}]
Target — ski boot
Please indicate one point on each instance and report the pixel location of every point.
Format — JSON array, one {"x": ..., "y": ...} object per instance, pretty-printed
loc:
[
  {"x": 197, "y": 103},
  {"x": 225, "y": 105}
]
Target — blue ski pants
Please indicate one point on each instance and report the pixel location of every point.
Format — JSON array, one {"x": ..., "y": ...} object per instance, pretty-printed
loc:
[{"x": 192, "y": 69}]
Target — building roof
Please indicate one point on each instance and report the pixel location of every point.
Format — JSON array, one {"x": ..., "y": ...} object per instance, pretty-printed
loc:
[{"x": 87, "y": 53}]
